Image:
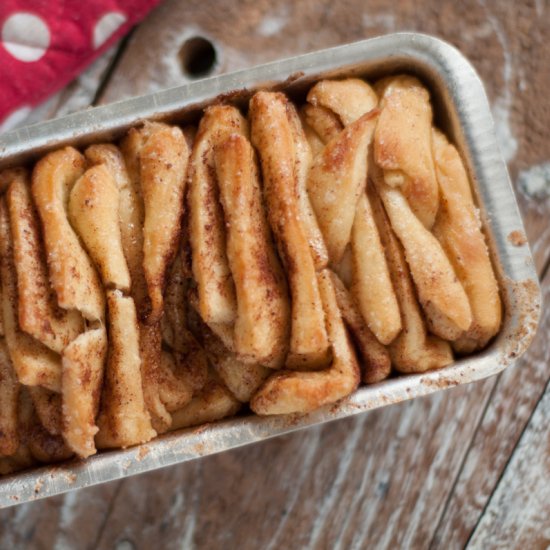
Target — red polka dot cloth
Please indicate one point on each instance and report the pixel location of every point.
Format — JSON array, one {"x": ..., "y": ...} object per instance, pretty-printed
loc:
[{"x": 44, "y": 44}]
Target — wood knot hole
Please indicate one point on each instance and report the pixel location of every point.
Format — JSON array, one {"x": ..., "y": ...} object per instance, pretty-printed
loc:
[{"x": 198, "y": 57}]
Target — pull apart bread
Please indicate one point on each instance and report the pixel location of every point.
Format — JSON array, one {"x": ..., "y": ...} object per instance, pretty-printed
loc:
[{"x": 277, "y": 259}]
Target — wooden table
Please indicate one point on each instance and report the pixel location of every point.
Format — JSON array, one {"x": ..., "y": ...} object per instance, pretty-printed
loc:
[{"x": 469, "y": 466}]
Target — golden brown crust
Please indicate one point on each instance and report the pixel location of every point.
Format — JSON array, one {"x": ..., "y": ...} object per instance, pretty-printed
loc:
[
  {"x": 403, "y": 144},
  {"x": 163, "y": 170},
  {"x": 315, "y": 141},
  {"x": 132, "y": 219},
  {"x": 150, "y": 345},
  {"x": 133, "y": 170},
  {"x": 458, "y": 229},
  {"x": 124, "y": 419},
  {"x": 42, "y": 445},
  {"x": 9, "y": 396},
  {"x": 216, "y": 291},
  {"x": 362, "y": 263},
  {"x": 93, "y": 212},
  {"x": 132, "y": 214},
  {"x": 242, "y": 379},
  {"x": 83, "y": 365},
  {"x": 371, "y": 282},
  {"x": 130, "y": 147},
  {"x": 414, "y": 350},
  {"x": 48, "y": 408},
  {"x": 376, "y": 357},
  {"x": 288, "y": 392},
  {"x": 130, "y": 205},
  {"x": 213, "y": 403},
  {"x": 38, "y": 312},
  {"x": 302, "y": 165},
  {"x": 72, "y": 274},
  {"x": 348, "y": 99},
  {"x": 63, "y": 191},
  {"x": 272, "y": 135},
  {"x": 175, "y": 330},
  {"x": 123, "y": 165},
  {"x": 322, "y": 122},
  {"x": 440, "y": 293},
  {"x": 261, "y": 324},
  {"x": 34, "y": 363},
  {"x": 336, "y": 180}
]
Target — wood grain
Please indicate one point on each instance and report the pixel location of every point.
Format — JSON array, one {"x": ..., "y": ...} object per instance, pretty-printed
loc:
[
  {"x": 514, "y": 396},
  {"x": 519, "y": 510},
  {"x": 469, "y": 464},
  {"x": 320, "y": 488},
  {"x": 71, "y": 521}
]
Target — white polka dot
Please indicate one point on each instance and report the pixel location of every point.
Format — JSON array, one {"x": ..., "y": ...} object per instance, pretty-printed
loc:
[
  {"x": 26, "y": 36},
  {"x": 107, "y": 26},
  {"x": 14, "y": 118}
]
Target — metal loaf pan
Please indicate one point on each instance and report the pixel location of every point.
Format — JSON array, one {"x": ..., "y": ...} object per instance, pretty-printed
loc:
[{"x": 461, "y": 109}]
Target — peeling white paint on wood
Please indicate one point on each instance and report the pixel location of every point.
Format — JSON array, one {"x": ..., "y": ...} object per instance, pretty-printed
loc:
[
  {"x": 518, "y": 514},
  {"x": 310, "y": 451},
  {"x": 534, "y": 182},
  {"x": 503, "y": 103},
  {"x": 274, "y": 23},
  {"x": 508, "y": 412},
  {"x": 67, "y": 515},
  {"x": 384, "y": 20}
]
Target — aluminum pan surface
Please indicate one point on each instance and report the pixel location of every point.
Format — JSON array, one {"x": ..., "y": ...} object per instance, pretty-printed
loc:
[{"x": 463, "y": 112}]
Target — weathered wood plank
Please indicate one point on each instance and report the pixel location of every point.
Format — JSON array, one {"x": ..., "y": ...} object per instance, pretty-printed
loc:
[
  {"x": 518, "y": 514},
  {"x": 376, "y": 478},
  {"x": 70, "y": 521},
  {"x": 515, "y": 396}
]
